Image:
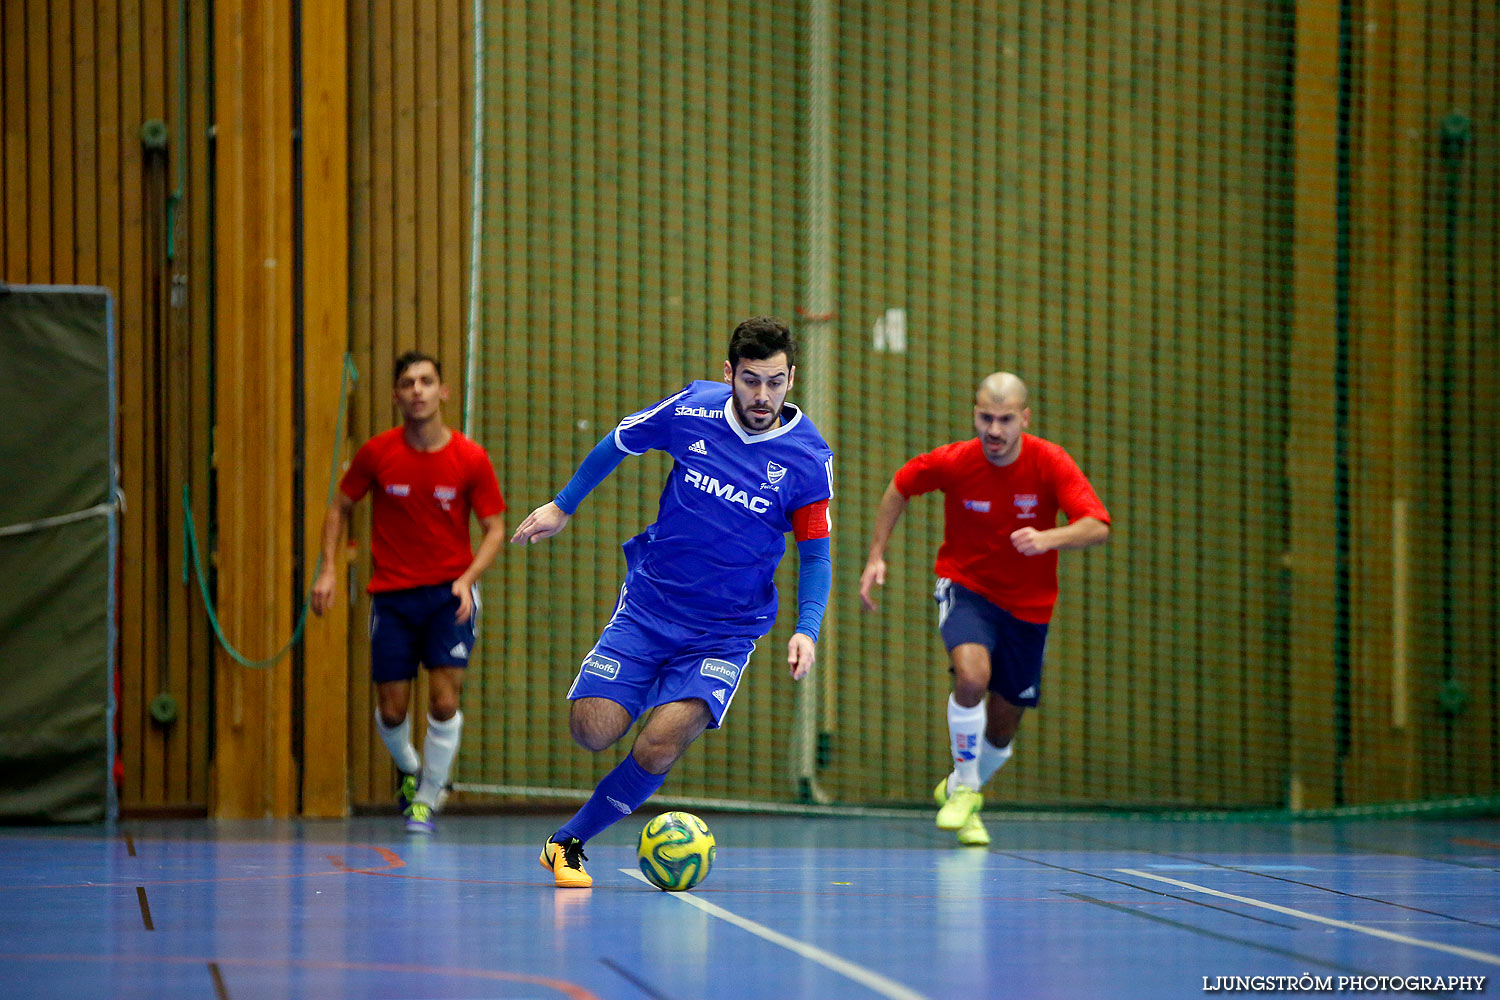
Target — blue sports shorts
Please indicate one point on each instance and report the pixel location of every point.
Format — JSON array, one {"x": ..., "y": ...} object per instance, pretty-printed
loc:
[
  {"x": 642, "y": 661},
  {"x": 1016, "y": 647},
  {"x": 416, "y": 626}
]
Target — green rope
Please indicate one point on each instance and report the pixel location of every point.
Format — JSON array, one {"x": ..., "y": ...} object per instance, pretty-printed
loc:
[{"x": 190, "y": 540}]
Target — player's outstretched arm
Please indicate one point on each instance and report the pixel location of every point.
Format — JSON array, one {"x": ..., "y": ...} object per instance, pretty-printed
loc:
[
  {"x": 892, "y": 506},
  {"x": 544, "y": 522},
  {"x": 550, "y": 518}
]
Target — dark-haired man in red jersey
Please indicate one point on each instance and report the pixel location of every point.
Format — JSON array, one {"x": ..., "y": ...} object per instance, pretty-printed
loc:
[{"x": 424, "y": 605}]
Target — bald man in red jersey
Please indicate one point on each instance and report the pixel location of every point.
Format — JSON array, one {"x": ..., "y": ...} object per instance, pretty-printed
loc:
[{"x": 997, "y": 577}]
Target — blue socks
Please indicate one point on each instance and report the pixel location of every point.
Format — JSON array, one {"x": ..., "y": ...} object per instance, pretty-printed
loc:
[{"x": 618, "y": 795}]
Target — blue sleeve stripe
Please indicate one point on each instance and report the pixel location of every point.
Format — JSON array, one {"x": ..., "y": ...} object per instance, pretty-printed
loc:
[
  {"x": 814, "y": 583},
  {"x": 599, "y": 463}
]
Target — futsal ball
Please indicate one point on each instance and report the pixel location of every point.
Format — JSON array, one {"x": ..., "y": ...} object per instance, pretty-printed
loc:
[{"x": 676, "y": 850}]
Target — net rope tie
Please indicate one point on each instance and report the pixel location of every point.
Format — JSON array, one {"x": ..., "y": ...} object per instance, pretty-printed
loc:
[{"x": 108, "y": 507}]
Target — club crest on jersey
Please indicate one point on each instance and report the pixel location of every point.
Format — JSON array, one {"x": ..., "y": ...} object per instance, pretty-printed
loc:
[
  {"x": 1026, "y": 504},
  {"x": 774, "y": 472},
  {"x": 726, "y": 491},
  {"x": 445, "y": 495},
  {"x": 720, "y": 669}
]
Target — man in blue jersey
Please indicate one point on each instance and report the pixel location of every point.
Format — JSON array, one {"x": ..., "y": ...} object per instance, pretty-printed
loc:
[{"x": 699, "y": 592}]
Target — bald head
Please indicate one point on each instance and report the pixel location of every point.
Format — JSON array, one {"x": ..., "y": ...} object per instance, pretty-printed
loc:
[{"x": 1001, "y": 388}]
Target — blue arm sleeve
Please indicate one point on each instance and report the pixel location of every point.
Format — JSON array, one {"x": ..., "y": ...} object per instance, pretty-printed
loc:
[
  {"x": 598, "y": 464},
  {"x": 814, "y": 581}
]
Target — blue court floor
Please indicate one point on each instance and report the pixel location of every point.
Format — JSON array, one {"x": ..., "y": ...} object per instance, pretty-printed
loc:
[{"x": 795, "y": 907}]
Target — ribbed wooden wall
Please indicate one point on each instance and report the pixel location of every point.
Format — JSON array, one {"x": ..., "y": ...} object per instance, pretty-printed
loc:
[
  {"x": 1110, "y": 201},
  {"x": 1030, "y": 191},
  {"x": 1424, "y": 417},
  {"x": 1090, "y": 196},
  {"x": 84, "y": 201}
]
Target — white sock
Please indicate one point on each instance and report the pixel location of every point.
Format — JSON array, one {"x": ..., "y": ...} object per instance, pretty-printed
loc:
[
  {"x": 437, "y": 756},
  {"x": 965, "y": 732},
  {"x": 397, "y": 740},
  {"x": 992, "y": 758}
]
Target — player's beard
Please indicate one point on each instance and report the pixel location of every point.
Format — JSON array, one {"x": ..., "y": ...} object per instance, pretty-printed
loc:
[{"x": 749, "y": 421}]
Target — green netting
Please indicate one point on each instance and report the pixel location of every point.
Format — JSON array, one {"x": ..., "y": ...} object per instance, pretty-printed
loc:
[{"x": 1296, "y": 609}]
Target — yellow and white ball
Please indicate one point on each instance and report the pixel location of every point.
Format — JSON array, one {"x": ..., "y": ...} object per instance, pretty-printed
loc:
[{"x": 676, "y": 851}]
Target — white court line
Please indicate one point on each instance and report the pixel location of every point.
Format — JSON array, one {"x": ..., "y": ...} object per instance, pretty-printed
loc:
[
  {"x": 1478, "y": 956},
  {"x": 874, "y": 980}
]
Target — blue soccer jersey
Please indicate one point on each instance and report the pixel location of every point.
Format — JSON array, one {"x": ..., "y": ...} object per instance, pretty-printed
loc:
[{"x": 711, "y": 555}]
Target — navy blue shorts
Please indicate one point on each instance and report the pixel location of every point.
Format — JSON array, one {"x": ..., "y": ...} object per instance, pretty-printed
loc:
[
  {"x": 642, "y": 661},
  {"x": 417, "y": 626},
  {"x": 1016, "y": 647}
]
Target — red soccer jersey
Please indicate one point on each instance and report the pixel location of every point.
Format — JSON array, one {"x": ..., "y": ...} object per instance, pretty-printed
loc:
[
  {"x": 984, "y": 503},
  {"x": 422, "y": 504}
]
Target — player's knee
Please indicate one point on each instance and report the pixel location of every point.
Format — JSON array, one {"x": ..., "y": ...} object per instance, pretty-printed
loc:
[
  {"x": 656, "y": 757},
  {"x": 443, "y": 708},
  {"x": 969, "y": 688},
  {"x": 657, "y": 750},
  {"x": 588, "y": 734}
]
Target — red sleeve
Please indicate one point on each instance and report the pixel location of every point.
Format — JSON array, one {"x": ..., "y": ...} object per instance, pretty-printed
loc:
[
  {"x": 1075, "y": 494},
  {"x": 484, "y": 490},
  {"x": 811, "y": 521},
  {"x": 922, "y": 474},
  {"x": 360, "y": 475}
]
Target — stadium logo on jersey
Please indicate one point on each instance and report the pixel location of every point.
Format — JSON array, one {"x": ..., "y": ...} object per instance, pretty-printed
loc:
[
  {"x": 398, "y": 489},
  {"x": 601, "y": 666},
  {"x": 774, "y": 472},
  {"x": 726, "y": 491},
  {"x": 698, "y": 411},
  {"x": 979, "y": 506},
  {"x": 1026, "y": 504},
  {"x": 722, "y": 669},
  {"x": 698, "y": 447}
]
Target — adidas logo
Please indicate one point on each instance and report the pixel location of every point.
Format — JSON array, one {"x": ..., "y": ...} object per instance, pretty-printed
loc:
[
  {"x": 698, "y": 447},
  {"x": 461, "y": 651},
  {"x": 719, "y": 694},
  {"x": 618, "y": 804},
  {"x": 1028, "y": 693}
]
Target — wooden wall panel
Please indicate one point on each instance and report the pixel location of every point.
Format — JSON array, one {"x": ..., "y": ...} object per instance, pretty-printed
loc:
[
  {"x": 253, "y": 272},
  {"x": 326, "y": 201},
  {"x": 1078, "y": 232}
]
